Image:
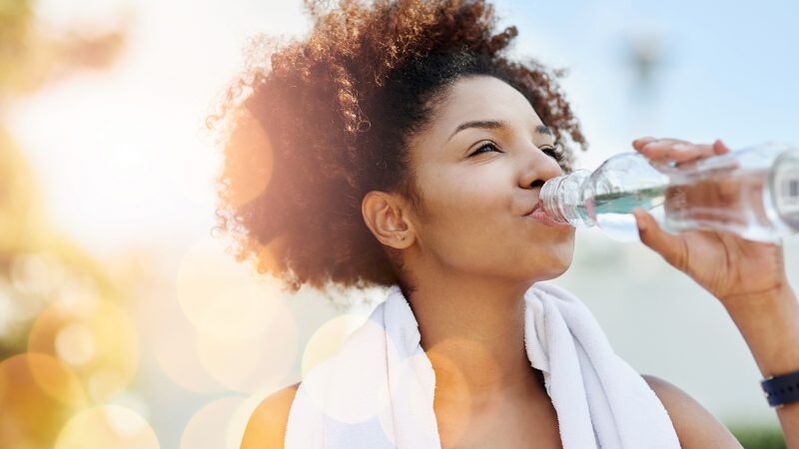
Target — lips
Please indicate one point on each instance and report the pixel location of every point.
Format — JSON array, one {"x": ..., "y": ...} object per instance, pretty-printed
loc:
[{"x": 537, "y": 206}]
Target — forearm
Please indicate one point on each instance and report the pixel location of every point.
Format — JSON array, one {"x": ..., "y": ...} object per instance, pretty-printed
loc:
[{"x": 770, "y": 327}]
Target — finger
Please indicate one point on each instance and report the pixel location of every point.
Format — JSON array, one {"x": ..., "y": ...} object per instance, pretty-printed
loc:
[
  {"x": 641, "y": 141},
  {"x": 656, "y": 149},
  {"x": 688, "y": 153},
  {"x": 720, "y": 147},
  {"x": 679, "y": 152},
  {"x": 671, "y": 247},
  {"x": 668, "y": 148},
  {"x": 664, "y": 142}
]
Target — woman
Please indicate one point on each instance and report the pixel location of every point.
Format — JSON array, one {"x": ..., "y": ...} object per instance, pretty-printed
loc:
[{"x": 406, "y": 150}]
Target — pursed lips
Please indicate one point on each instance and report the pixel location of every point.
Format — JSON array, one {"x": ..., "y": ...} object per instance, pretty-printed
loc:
[{"x": 537, "y": 206}]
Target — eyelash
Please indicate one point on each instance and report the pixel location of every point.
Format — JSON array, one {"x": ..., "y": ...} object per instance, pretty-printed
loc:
[{"x": 557, "y": 155}]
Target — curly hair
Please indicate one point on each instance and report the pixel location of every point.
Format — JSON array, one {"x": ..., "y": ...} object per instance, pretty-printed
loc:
[{"x": 312, "y": 125}]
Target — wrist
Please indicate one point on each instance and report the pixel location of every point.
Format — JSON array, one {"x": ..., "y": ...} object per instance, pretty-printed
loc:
[
  {"x": 740, "y": 305},
  {"x": 769, "y": 323},
  {"x": 781, "y": 389}
]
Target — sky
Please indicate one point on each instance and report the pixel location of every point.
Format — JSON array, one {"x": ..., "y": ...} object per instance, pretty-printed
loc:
[{"x": 727, "y": 71}]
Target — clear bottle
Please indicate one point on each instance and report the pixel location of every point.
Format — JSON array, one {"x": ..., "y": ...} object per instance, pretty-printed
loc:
[{"x": 753, "y": 192}]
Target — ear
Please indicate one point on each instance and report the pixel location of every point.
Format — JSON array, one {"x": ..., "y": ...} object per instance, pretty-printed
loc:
[{"x": 386, "y": 216}]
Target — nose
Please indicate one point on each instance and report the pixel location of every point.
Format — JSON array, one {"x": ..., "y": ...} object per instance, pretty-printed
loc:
[{"x": 538, "y": 168}]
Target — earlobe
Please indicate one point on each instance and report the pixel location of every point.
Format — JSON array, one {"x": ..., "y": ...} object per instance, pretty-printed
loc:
[{"x": 383, "y": 216}]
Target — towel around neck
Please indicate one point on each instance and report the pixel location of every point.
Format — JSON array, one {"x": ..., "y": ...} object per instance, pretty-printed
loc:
[{"x": 377, "y": 391}]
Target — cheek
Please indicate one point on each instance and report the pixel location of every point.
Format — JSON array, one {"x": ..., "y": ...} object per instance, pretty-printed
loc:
[
  {"x": 472, "y": 227},
  {"x": 470, "y": 199},
  {"x": 471, "y": 219},
  {"x": 463, "y": 240}
]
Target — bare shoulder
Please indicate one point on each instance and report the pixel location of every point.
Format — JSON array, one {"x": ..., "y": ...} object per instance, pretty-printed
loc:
[
  {"x": 695, "y": 426},
  {"x": 267, "y": 425}
]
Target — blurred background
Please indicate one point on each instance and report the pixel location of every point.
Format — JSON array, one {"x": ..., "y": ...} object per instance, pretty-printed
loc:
[{"x": 125, "y": 324}]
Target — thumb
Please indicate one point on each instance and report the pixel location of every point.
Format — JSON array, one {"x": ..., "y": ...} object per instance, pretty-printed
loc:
[{"x": 671, "y": 247}]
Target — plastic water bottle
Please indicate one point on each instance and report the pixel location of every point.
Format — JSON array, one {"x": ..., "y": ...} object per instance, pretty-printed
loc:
[{"x": 752, "y": 192}]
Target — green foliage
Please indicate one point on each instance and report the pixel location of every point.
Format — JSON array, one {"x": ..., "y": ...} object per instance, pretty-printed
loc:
[{"x": 759, "y": 437}]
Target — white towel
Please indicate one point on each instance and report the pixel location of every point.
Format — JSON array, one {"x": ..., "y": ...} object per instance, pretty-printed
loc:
[{"x": 377, "y": 391}]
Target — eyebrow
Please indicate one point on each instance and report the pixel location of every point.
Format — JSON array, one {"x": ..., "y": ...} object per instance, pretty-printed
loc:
[{"x": 495, "y": 124}]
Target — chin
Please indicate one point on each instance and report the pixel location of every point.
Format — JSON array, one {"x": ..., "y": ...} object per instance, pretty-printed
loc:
[
  {"x": 562, "y": 259},
  {"x": 562, "y": 269},
  {"x": 551, "y": 267}
]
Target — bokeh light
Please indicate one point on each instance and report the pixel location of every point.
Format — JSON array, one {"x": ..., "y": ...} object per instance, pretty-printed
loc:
[
  {"x": 221, "y": 297},
  {"x": 74, "y": 344},
  {"x": 362, "y": 392},
  {"x": 224, "y": 329},
  {"x": 98, "y": 340},
  {"x": 216, "y": 425},
  {"x": 328, "y": 338},
  {"x": 458, "y": 387},
  {"x": 38, "y": 394},
  {"x": 176, "y": 353},
  {"x": 254, "y": 178},
  {"x": 36, "y": 273},
  {"x": 107, "y": 426},
  {"x": 249, "y": 363},
  {"x": 172, "y": 339}
]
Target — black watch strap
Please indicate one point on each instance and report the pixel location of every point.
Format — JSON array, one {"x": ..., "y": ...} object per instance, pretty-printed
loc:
[{"x": 781, "y": 390}]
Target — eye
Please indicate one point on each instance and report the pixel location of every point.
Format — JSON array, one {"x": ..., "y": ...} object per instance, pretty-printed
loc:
[
  {"x": 487, "y": 145},
  {"x": 554, "y": 152}
]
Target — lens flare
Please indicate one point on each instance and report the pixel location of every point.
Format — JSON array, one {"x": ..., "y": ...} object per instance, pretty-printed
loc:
[
  {"x": 211, "y": 425},
  {"x": 220, "y": 296},
  {"x": 173, "y": 341},
  {"x": 38, "y": 393},
  {"x": 74, "y": 344},
  {"x": 249, "y": 139},
  {"x": 406, "y": 385},
  {"x": 247, "y": 364},
  {"x": 36, "y": 273},
  {"x": 96, "y": 338},
  {"x": 107, "y": 426},
  {"x": 328, "y": 338},
  {"x": 447, "y": 371},
  {"x": 361, "y": 393}
]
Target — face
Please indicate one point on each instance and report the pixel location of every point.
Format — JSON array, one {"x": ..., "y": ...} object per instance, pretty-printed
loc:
[{"x": 476, "y": 167}]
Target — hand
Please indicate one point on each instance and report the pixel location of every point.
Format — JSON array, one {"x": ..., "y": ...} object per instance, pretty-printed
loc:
[{"x": 728, "y": 266}]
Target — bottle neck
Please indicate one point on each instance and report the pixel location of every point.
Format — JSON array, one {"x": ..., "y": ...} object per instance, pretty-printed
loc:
[{"x": 562, "y": 197}]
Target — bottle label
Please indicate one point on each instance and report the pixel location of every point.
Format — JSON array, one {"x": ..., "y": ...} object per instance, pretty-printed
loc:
[{"x": 786, "y": 181}]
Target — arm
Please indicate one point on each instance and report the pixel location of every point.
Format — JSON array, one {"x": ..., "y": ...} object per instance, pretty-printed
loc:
[
  {"x": 747, "y": 277},
  {"x": 770, "y": 326},
  {"x": 696, "y": 427}
]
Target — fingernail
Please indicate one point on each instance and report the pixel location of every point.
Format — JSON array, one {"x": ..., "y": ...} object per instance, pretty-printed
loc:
[{"x": 641, "y": 218}]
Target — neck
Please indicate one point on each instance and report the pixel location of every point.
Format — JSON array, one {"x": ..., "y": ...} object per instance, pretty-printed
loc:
[{"x": 473, "y": 333}]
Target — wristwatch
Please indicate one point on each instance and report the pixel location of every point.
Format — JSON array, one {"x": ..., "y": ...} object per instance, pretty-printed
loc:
[{"x": 781, "y": 390}]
